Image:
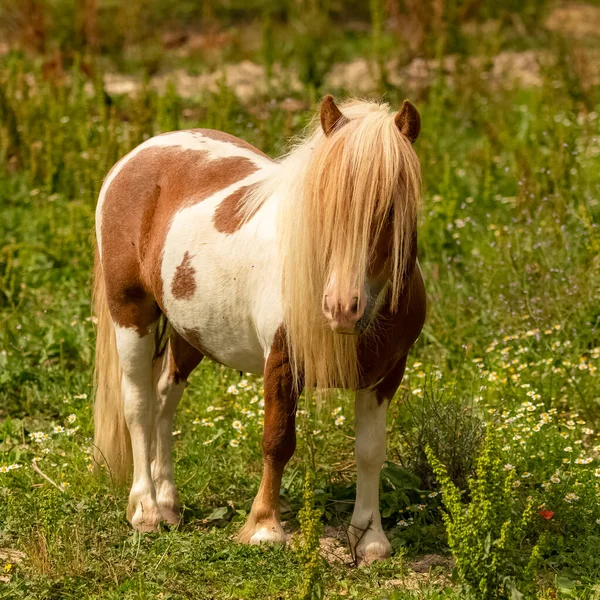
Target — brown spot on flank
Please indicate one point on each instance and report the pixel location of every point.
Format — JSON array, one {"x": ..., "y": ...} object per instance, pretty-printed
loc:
[
  {"x": 184, "y": 284},
  {"x": 229, "y": 215}
]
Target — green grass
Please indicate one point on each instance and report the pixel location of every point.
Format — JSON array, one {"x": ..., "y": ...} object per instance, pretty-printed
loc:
[{"x": 509, "y": 246}]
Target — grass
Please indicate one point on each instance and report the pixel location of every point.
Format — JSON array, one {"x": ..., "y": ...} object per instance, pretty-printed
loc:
[{"x": 509, "y": 245}]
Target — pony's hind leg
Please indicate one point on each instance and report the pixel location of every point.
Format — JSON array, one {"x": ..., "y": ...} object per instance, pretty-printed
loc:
[
  {"x": 279, "y": 443},
  {"x": 136, "y": 352},
  {"x": 172, "y": 369}
]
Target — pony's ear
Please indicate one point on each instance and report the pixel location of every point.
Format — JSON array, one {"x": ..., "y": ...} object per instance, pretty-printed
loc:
[
  {"x": 408, "y": 121},
  {"x": 331, "y": 115}
]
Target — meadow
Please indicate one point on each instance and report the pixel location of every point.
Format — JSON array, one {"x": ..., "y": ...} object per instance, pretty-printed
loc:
[{"x": 492, "y": 484}]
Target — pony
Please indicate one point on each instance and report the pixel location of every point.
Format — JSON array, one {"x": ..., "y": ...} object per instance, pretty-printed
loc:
[{"x": 302, "y": 269}]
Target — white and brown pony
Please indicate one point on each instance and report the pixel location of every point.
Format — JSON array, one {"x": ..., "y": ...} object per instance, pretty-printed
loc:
[{"x": 302, "y": 269}]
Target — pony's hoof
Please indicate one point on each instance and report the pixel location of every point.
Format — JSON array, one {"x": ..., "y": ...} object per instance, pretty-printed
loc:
[
  {"x": 144, "y": 518},
  {"x": 170, "y": 515},
  {"x": 372, "y": 547},
  {"x": 262, "y": 532},
  {"x": 268, "y": 535}
]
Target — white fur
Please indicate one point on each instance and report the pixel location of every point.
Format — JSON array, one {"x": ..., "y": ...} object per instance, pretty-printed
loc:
[
  {"x": 236, "y": 306},
  {"x": 366, "y": 533},
  {"x": 168, "y": 395},
  {"x": 135, "y": 356}
]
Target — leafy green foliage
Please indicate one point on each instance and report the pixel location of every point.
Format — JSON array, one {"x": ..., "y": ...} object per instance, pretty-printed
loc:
[{"x": 485, "y": 532}]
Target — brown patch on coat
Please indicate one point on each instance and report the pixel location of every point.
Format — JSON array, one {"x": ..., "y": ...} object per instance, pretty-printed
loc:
[
  {"x": 382, "y": 357},
  {"x": 279, "y": 435},
  {"x": 229, "y": 215},
  {"x": 184, "y": 284},
  {"x": 138, "y": 208},
  {"x": 184, "y": 358},
  {"x": 281, "y": 396}
]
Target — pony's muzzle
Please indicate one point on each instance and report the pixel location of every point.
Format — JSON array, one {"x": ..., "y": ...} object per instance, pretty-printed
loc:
[{"x": 343, "y": 313}]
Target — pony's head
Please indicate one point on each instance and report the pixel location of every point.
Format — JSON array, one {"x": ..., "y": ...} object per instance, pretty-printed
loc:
[
  {"x": 364, "y": 173},
  {"x": 348, "y": 197}
]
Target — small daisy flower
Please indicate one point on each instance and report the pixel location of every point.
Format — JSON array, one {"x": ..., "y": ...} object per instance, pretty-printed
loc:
[{"x": 234, "y": 443}]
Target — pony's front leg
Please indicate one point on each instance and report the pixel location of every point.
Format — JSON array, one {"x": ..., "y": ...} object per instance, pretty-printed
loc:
[
  {"x": 367, "y": 539},
  {"x": 279, "y": 443}
]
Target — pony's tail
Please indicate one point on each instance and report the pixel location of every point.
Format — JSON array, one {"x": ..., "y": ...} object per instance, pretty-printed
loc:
[{"x": 112, "y": 444}]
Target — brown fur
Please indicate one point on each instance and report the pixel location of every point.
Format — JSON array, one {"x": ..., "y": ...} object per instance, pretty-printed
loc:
[
  {"x": 382, "y": 361},
  {"x": 184, "y": 284},
  {"x": 137, "y": 211},
  {"x": 331, "y": 116},
  {"x": 279, "y": 436},
  {"x": 229, "y": 216},
  {"x": 184, "y": 358},
  {"x": 380, "y": 355},
  {"x": 408, "y": 121}
]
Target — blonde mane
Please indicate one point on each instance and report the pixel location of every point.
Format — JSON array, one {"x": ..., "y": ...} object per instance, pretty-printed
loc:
[{"x": 334, "y": 194}]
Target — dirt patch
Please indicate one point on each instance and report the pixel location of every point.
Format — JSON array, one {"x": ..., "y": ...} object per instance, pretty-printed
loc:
[
  {"x": 247, "y": 79},
  {"x": 334, "y": 546},
  {"x": 576, "y": 20},
  {"x": 506, "y": 69},
  {"x": 427, "y": 562},
  {"x": 9, "y": 558}
]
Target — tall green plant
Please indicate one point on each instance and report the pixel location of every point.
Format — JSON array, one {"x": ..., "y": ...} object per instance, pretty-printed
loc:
[
  {"x": 488, "y": 535},
  {"x": 308, "y": 547}
]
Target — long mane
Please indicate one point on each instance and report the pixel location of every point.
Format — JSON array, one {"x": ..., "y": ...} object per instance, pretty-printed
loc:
[{"x": 334, "y": 194}]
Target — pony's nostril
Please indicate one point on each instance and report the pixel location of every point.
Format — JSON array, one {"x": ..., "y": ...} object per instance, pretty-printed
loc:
[{"x": 354, "y": 305}]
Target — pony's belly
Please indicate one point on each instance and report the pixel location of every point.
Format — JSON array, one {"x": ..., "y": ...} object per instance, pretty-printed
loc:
[{"x": 230, "y": 344}]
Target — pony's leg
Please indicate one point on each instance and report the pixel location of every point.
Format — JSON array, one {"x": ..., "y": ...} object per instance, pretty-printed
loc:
[
  {"x": 135, "y": 356},
  {"x": 367, "y": 538},
  {"x": 366, "y": 535},
  {"x": 279, "y": 443},
  {"x": 171, "y": 372}
]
